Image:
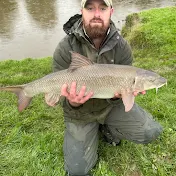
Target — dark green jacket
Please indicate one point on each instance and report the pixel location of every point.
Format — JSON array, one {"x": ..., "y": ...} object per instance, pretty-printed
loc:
[{"x": 114, "y": 50}]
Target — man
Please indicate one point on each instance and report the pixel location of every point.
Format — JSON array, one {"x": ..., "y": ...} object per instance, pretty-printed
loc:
[{"x": 95, "y": 36}]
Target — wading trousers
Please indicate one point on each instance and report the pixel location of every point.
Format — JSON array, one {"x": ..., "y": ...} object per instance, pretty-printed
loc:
[{"x": 81, "y": 140}]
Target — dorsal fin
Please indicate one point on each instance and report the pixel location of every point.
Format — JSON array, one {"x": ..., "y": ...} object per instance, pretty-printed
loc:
[{"x": 78, "y": 61}]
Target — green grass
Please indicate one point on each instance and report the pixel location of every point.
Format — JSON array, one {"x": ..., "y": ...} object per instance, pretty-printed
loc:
[
  {"x": 31, "y": 141},
  {"x": 152, "y": 32}
]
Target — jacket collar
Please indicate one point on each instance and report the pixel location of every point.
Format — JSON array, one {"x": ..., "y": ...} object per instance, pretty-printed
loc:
[{"x": 75, "y": 27}]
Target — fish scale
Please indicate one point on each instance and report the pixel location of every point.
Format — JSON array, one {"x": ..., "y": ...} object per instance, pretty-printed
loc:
[
  {"x": 88, "y": 77},
  {"x": 103, "y": 79}
]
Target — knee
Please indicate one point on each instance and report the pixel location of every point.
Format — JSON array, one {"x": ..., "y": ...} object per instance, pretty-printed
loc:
[
  {"x": 79, "y": 165},
  {"x": 151, "y": 132},
  {"x": 79, "y": 158},
  {"x": 80, "y": 148},
  {"x": 77, "y": 168}
]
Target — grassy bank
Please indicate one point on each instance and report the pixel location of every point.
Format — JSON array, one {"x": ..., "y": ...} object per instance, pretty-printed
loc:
[{"x": 31, "y": 141}]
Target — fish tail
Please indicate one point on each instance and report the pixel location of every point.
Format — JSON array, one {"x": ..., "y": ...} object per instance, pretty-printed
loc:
[{"x": 23, "y": 100}]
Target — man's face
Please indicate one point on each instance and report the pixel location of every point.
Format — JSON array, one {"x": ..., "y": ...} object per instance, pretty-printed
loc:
[{"x": 96, "y": 18}]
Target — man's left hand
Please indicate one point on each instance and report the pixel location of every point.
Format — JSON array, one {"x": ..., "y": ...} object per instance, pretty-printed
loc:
[{"x": 135, "y": 93}]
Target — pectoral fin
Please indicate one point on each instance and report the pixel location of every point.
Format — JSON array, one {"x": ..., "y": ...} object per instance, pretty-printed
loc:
[
  {"x": 51, "y": 98},
  {"x": 128, "y": 101}
]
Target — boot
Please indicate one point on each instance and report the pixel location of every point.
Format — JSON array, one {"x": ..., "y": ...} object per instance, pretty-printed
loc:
[{"x": 107, "y": 136}]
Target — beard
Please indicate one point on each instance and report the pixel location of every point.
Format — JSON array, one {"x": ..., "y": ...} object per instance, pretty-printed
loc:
[{"x": 96, "y": 31}]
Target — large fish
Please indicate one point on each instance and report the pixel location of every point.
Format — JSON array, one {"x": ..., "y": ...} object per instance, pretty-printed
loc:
[{"x": 103, "y": 79}]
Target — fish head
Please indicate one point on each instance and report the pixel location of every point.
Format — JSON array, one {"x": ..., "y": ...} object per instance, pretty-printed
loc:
[{"x": 146, "y": 80}]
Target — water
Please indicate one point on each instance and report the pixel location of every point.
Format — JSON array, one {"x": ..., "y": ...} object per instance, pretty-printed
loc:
[{"x": 33, "y": 28}]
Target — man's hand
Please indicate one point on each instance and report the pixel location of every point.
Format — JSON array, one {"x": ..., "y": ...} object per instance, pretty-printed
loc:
[
  {"x": 75, "y": 99},
  {"x": 134, "y": 93}
]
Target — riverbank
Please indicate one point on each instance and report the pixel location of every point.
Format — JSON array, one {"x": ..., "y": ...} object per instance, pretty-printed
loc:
[
  {"x": 31, "y": 141},
  {"x": 19, "y": 16}
]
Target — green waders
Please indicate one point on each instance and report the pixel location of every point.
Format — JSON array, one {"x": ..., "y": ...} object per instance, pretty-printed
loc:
[{"x": 81, "y": 140}]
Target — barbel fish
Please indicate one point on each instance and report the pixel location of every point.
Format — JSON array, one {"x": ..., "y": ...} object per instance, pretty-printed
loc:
[{"x": 103, "y": 79}]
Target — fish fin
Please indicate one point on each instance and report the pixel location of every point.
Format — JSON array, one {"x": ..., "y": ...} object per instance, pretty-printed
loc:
[
  {"x": 51, "y": 98},
  {"x": 23, "y": 100},
  {"x": 128, "y": 101},
  {"x": 78, "y": 61}
]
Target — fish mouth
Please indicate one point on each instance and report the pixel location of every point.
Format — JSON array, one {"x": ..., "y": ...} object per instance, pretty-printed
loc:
[{"x": 162, "y": 81}]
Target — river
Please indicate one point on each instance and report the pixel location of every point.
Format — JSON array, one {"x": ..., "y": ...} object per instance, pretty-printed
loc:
[{"x": 33, "y": 28}]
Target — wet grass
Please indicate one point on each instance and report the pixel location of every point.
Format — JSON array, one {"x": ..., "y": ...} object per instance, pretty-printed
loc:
[
  {"x": 31, "y": 141},
  {"x": 152, "y": 33}
]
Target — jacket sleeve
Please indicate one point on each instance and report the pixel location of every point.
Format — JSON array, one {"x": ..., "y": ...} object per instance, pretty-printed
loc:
[
  {"x": 126, "y": 58},
  {"x": 62, "y": 56},
  {"x": 61, "y": 61}
]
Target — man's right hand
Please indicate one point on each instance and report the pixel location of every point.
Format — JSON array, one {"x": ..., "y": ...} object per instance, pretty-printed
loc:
[{"x": 75, "y": 99}]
